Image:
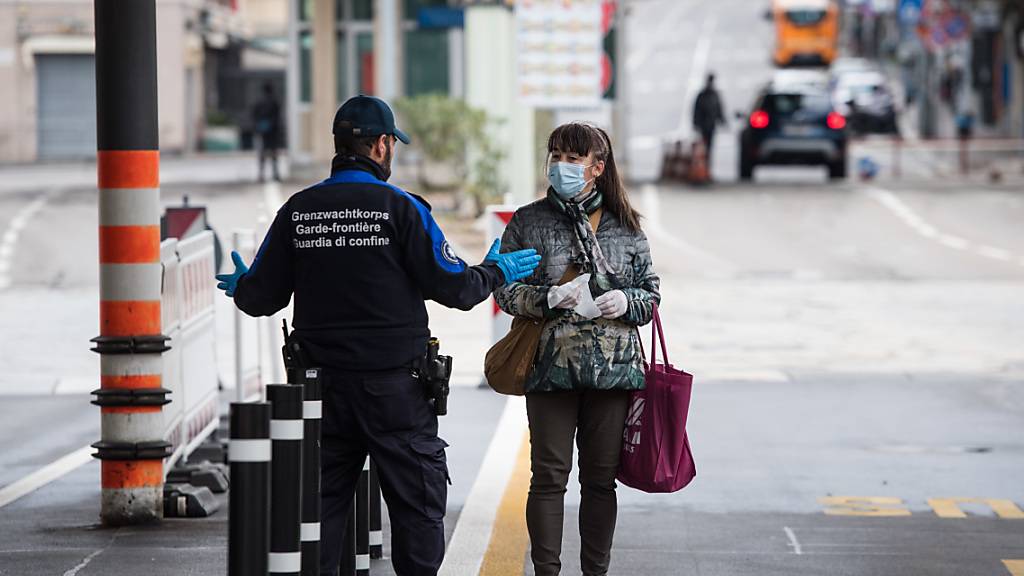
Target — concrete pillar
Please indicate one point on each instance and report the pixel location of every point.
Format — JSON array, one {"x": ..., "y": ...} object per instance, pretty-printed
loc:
[
  {"x": 456, "y": 63},
  {"x": 491, "y": 86},
  {"x": 388, "y": 41},
  {"x": 621, "y": 105},
  {"x": 325, "y": 73},
  {"x": 131, "y": 394}
]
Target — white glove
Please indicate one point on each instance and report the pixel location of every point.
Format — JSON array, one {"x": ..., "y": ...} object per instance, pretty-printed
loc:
[
  {"x": 566, "y": 296},
  {"x": 612, "y": 304}
]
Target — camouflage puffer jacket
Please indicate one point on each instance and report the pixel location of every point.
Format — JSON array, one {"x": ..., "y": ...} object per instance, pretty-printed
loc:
[{"x": 576, "y": 353}]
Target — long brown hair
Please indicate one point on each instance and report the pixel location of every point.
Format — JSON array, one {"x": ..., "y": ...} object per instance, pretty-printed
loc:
[{"x": 583, "y": 139}]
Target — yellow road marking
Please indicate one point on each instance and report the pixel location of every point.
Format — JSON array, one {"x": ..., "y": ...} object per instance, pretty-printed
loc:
[
  {"x": 1016, "y": 567},
  {"x": 864, "y": 506},
  {"x": 948, "y": 508},
  {"x": 506, "y": 552}
]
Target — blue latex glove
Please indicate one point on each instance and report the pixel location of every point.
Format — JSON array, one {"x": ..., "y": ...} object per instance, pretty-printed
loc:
[
  {"x": 514, "y": 265},
  {"x": 228, "y": 282}
]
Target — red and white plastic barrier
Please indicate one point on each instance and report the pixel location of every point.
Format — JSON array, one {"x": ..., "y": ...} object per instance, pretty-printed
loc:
[
  {"x": 248, "y": 376},
  {"x": 190, "y": 367}
]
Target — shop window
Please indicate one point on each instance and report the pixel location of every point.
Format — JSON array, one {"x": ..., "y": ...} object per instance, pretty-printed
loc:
[
  {"x": 412, "y": 7},
  {"x": 364, "y": 63},
  {"x": 362, "y": 9},
  {"x": 306, "y": 10},
  {"x": 341, "y": 66},
  {"x": 426, "y": 61},
  {"x": 305, "y": 66}
]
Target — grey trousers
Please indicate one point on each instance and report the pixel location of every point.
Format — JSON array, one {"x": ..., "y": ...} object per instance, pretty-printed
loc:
[{"x": 596, "y": 419}]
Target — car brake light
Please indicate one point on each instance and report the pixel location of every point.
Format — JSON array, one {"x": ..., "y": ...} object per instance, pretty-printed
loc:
[
  {"x": 835, "y": 121},
  {"x": 759, "y": 119}
]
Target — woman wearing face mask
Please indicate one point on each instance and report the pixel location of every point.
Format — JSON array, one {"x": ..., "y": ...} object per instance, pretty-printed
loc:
[{"x": 584, "y": 369}]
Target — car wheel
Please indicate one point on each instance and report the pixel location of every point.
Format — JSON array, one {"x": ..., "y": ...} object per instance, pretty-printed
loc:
[
  {"x": 746, "y": 167},
  {"x": 837, "y": 169}
]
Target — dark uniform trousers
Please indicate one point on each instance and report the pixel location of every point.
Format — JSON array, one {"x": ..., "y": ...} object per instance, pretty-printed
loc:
[{"x": 384, "y": 414}]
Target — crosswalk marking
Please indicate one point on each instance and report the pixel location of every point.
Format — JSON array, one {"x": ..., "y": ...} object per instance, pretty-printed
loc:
[
  {"x": 1016, "y": 567},
  {"x": 864, "y": 506},
  {"x": 949, "y": 507}
]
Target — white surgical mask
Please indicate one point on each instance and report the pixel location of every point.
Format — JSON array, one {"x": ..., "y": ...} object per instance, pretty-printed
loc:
[{"x": 567, "y": 179}]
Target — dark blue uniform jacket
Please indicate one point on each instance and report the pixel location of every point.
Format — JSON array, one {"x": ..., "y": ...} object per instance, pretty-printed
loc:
[{"x": 361, "y": 256}]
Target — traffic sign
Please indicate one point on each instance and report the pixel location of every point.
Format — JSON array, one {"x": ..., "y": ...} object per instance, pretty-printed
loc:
[{"x": 910, "y": 12}]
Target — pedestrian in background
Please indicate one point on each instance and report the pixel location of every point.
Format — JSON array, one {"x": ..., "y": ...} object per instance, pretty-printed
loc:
[
  {"x": 361, "y": 256},
  {"x": 266, "y": 120},
  {"x": 708, "y": 113},
  {"x": 584, "y": 370}
]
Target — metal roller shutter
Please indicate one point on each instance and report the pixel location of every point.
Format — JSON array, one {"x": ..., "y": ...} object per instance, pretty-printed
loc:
[{"x": 67, "y": 106}]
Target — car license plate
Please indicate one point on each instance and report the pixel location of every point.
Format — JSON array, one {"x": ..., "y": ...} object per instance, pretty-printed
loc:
[{"x": 798, "y": 130}]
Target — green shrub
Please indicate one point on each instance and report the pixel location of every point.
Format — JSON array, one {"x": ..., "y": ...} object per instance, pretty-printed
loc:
[{"x": 445, "y": 130}]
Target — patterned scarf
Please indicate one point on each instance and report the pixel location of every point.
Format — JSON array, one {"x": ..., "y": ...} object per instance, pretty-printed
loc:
[{"x": 586, "y": 250}]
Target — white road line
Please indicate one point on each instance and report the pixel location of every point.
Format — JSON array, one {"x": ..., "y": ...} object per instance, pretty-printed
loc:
[
  {"x": 84, "y": 563},
  {"x": 45, "y": 475},
  {"x": 473, "y": 531},
  {"x": 954, "y": 242},
  {"x": 698, "y": 68},
  {"x": 912, "y": 219},
  {"x": 995, "y": 253},
  {"x": 670, "y": 22},
  {"x": 793, "y": 542},
  {"x": 652, "y": 208},
  {"x": 10, "y": 238}
]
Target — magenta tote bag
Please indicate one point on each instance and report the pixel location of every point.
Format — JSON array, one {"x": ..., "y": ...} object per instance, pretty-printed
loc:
[{"x": 655, "y": 450}]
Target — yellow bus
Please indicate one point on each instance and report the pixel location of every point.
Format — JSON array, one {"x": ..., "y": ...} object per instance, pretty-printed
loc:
[{"x": 806, "y": 31}]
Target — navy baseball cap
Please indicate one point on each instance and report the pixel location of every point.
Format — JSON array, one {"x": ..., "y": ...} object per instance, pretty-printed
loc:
[{"x": 367, "y": 116}]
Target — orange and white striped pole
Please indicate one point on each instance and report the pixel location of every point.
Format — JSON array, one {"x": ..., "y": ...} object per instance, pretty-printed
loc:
[{"x": 131, "y": 396}]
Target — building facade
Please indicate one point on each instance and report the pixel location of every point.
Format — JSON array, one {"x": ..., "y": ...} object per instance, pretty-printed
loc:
[
  {"x": 388, "y": 48},
  {"x": 47, "y": 74}
]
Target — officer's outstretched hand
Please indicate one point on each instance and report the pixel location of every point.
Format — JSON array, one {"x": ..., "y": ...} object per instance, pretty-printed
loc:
[
  {"x": 228, "y": 282},
  {"x": 514, "y": 265}
]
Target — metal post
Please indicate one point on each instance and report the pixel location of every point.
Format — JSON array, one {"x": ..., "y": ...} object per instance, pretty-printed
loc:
[
  {"x": 286, "y": 479},
  {"x": 312, "y": 412},
  {"x": 236, "y": 241},
  {"x": 376, "y": 534},
  {"x": 249, "y": 520},
  {"x": 897, "y": 157},
  {"x": 131, "y": 343},
  {"x": 363, "y": 521}
]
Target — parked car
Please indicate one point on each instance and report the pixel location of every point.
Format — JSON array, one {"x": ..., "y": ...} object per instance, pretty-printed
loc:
[
  {"x": 794, "y": 124},
  {"x": 864, "y": 97},
  {"x": 847, "y": 64}
]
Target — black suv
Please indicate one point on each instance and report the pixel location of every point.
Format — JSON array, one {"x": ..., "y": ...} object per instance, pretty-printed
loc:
[{"x": 794, "y": 124}]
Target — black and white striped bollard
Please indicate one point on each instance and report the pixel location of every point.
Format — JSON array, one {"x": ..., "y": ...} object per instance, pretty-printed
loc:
[
  {"x": 362, "y": 503},
  {"x": 286, "y": 427},
  {"x": 376, "y": 532},
  {"x": 312, "y": 412},
  {"x": 249, "y": 520}
]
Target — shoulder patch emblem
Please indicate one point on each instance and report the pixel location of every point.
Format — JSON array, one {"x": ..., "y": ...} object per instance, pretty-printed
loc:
[{"x": 449, "y": 253}]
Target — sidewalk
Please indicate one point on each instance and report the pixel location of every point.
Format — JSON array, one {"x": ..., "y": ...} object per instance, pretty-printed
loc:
[
  {"x": 206, "y": 168},
  {"x": 56, "y": 530}
]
